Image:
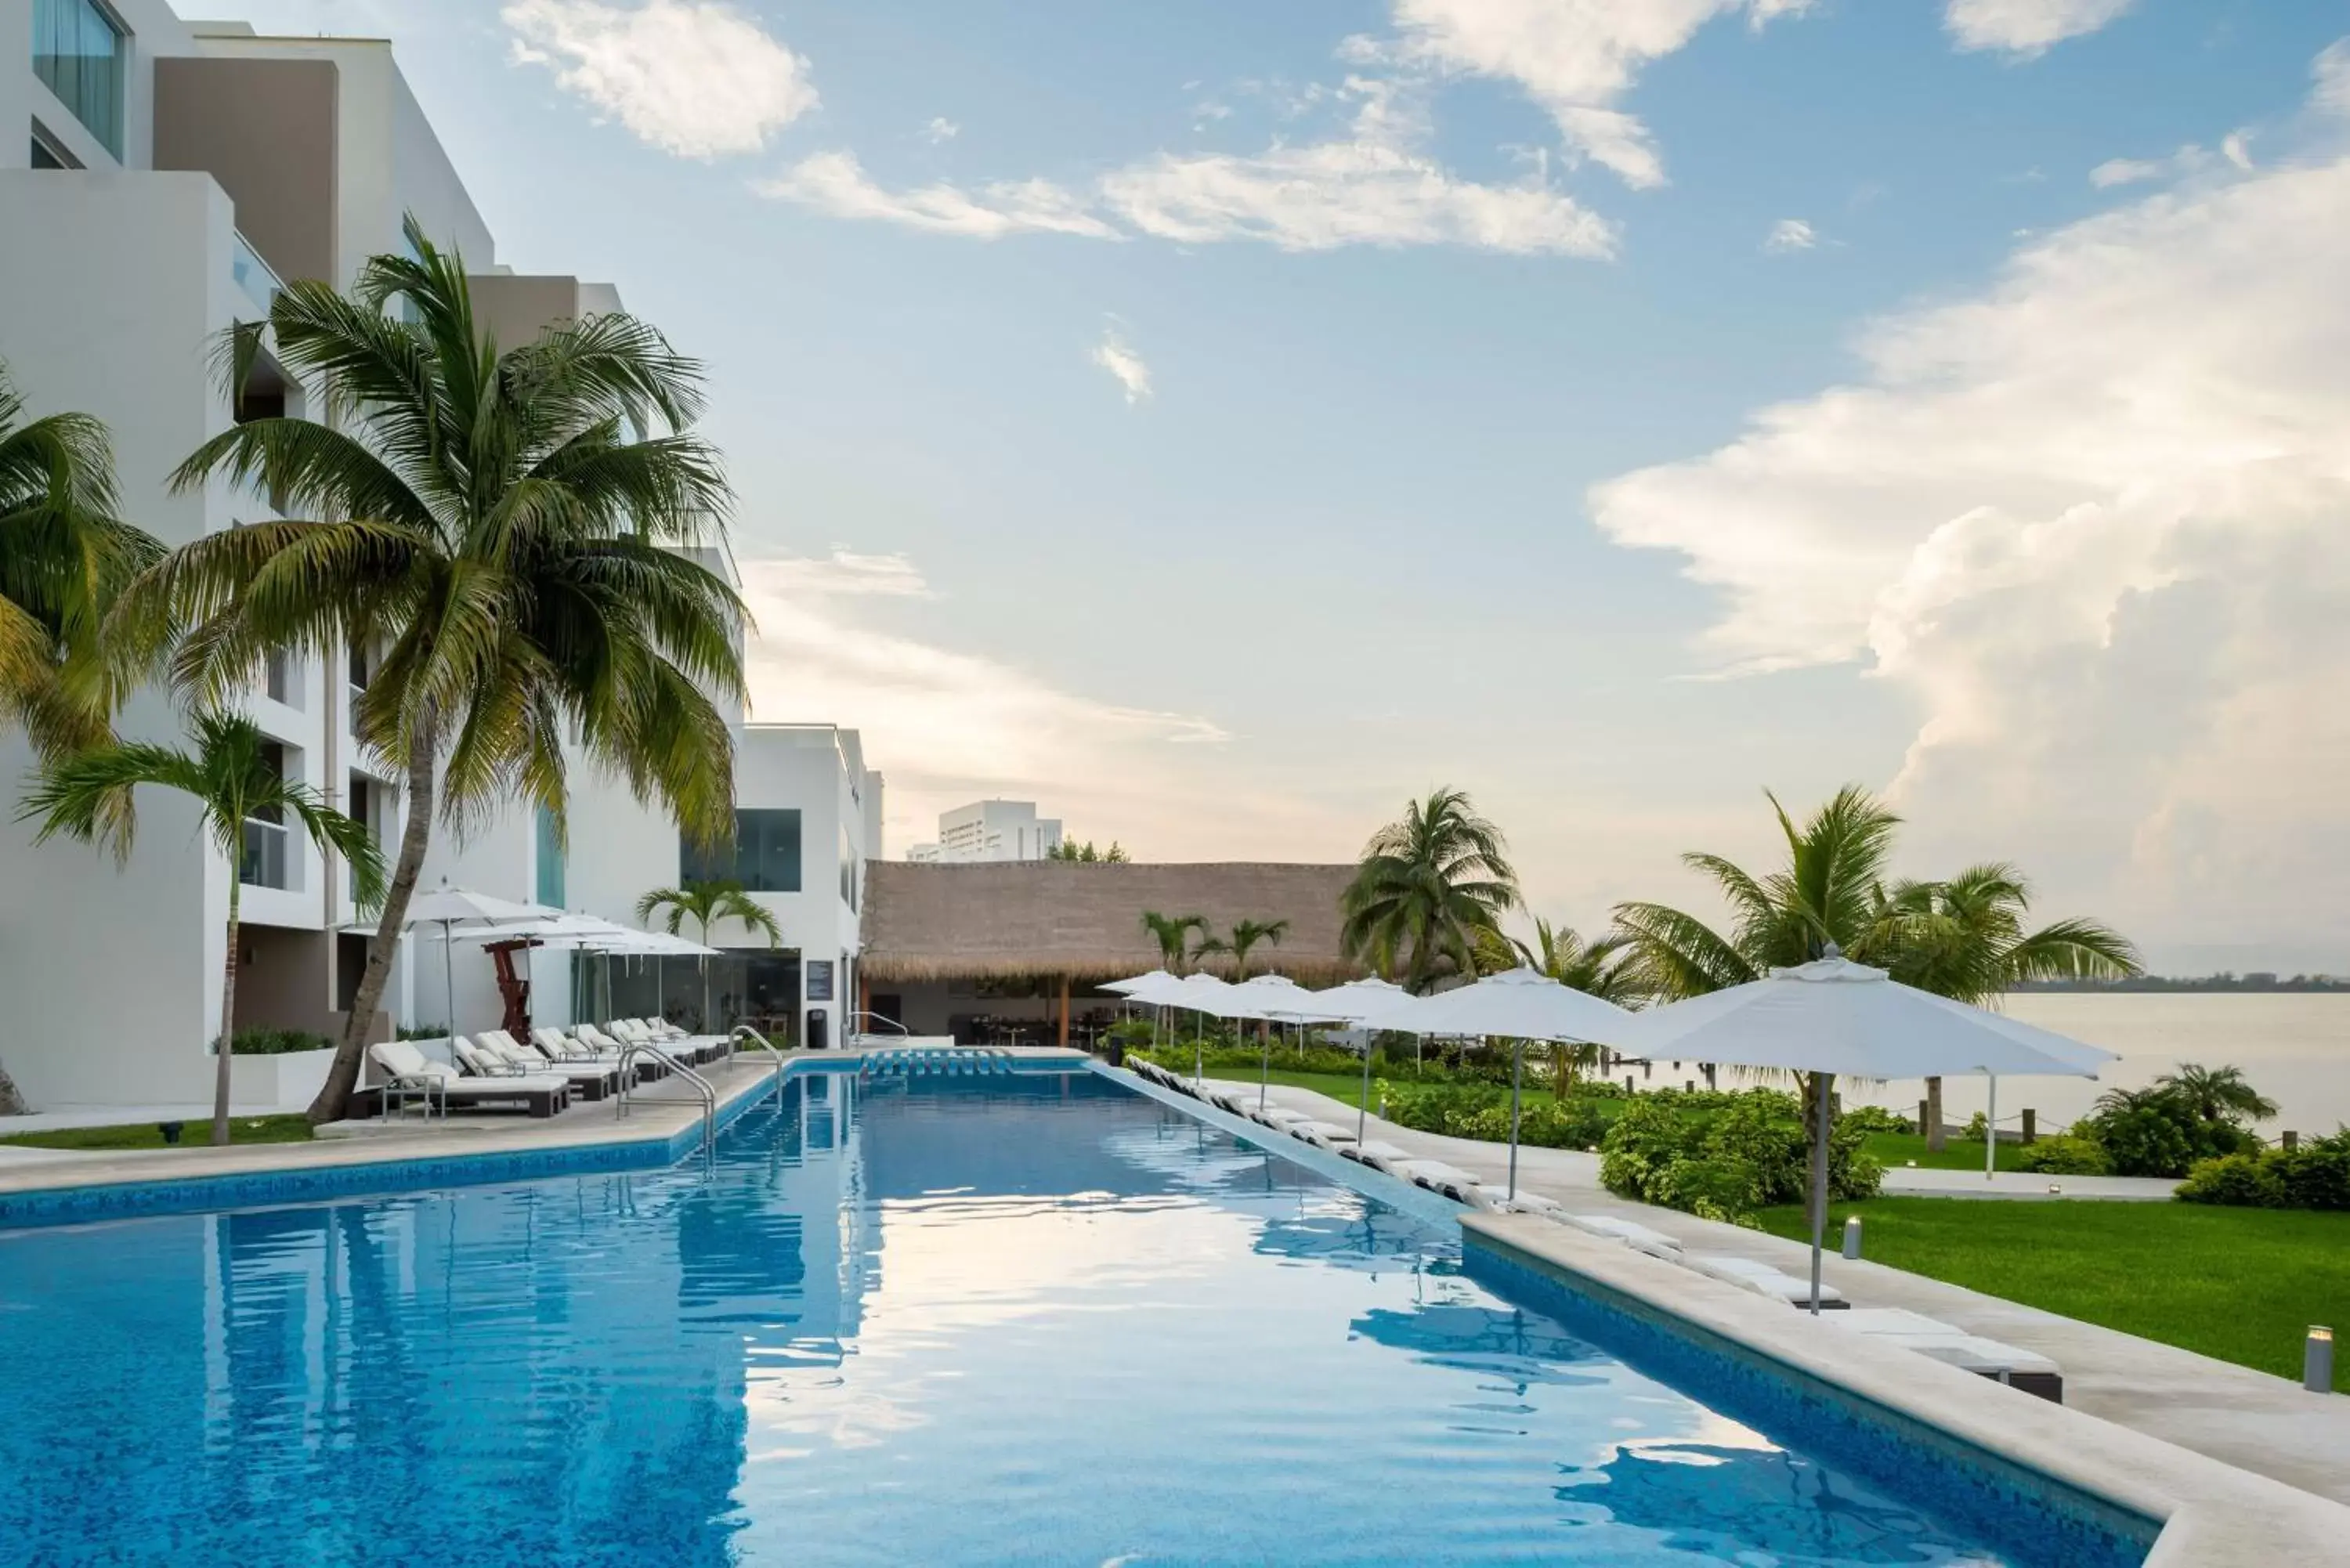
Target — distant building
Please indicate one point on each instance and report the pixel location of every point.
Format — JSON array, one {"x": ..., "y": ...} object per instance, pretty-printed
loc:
[{"x": 990, "y": 830}]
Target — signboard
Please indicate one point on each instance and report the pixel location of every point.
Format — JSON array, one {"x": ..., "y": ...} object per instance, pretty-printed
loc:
[{"x": 820, "y": 980}]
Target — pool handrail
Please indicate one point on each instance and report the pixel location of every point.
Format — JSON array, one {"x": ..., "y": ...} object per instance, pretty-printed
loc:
[
  {"x": 702, "y": 1087},
  {"x": 743, "y": 1030}
]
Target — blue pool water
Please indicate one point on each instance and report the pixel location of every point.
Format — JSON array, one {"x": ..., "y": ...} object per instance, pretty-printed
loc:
[{"x": 1023, "y": 1321}]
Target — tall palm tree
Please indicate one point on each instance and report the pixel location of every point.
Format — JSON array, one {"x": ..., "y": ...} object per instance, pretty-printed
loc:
[
  {"x": 2216, "y": 1094},
  {"x": 503, "y": 526},
  {"x": 1428, "y": 884},
  {"x": 1606, "y": 967},
  {"x": 705, "y": 904},
  {"x": 1247, "y": 935},
  {"x": 1965, "y": 939},
  {"x": 1173, "y": 933},
  {"x": 233, "y": 782}
]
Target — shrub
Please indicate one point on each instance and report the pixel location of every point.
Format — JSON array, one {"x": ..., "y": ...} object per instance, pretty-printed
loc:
[
  {"x": 2315, "y": 1175},
  {"x": 2067, "y": 1154},
  {"x": 1752, "y": 1153},
  {"x": 1869, "y": 1120},
  {"x": 2240, "y": 1180},
  {"x": 2146, "y": 1141},
  {"x": 259, "y": 1042}
]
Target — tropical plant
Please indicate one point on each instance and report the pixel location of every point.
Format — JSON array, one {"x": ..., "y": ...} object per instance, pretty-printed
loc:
[
  {"x": 2216, "y": 1093},
  {"x": 1426, "y": 885},
  {"x": 706, "y": 904},
  {"x": 1247, "y": 936},
  {"x": 233, "y": 781},
  {"x": 1606, "y": 967},
  {"x": 64, "y": 555},
  {"x": 504, "y": 531},
  {"x": 1071, "y": 849},
  {"x": 1173, "y": 933}
]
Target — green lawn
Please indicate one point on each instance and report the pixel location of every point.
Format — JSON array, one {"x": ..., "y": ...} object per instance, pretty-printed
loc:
[
  {"x": 1958, "y": 1154},
  {"x": 2241, "y": 1284},
  {"x": 1345, "y": 1087},
  {"x": 147, "y": 1134}
]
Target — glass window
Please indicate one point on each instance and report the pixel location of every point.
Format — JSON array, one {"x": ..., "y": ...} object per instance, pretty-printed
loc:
[
  {"x": 550, "y": 861},
  {"x": 77, "y": 50},
  {"x": 765, "y": 858}
]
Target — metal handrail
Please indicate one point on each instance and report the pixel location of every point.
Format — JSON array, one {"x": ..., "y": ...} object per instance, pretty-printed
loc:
[
  {"x": 743, "y": 1030},
  {"x": 709, "y": 1092},
  {"x": 855, "y": 1013}
]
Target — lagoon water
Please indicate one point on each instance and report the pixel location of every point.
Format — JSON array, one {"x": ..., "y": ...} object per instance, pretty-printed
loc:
[{"x": 2293, "y": 1046}]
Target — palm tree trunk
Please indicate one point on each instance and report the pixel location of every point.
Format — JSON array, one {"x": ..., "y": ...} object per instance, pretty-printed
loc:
[
  {"x": 11, "y": 1103},
  {"x": 1933, "y": 1128},
  {"x": 227, "y": 1052},
  {"x": 342, "y": 1075}
]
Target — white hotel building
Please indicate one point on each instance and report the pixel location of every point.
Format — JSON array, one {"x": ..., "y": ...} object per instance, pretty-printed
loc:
[{"x": 156, "y": 177}]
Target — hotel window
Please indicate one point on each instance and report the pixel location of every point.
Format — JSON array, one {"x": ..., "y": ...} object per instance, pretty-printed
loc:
[
  {"x": 79, "y": 51},
  {"x": 765, "y": 858},
  {"x": 550, "y": 861}
]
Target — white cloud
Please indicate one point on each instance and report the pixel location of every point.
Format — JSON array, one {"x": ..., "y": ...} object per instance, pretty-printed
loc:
[
  {"x": 1115, "y": 355},
  {"x": 2332, "y": 74},
  {"x": 695, "y": 77},
  {"x": 947, "y": 726},
  {"x": 2236, "y": 147},
  {"x": 1374, "y": 185},
  {"x": 2026, "y": 26},
  {"x": 2235, "y": 150},
  {"x": 2091, "y": 522},
  {"x": 837, "y": 184},
  {"x": 1789, "y": 235},
  {"x": 2129, "y": 172},
  {"x": 941, "y": 129},
  {"x": 1577, "y": 59}
]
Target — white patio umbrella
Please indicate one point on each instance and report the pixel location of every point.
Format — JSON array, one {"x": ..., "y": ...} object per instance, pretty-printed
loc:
[
  {"x": 1358, "y": 1002},
  {"x": 1131, "y": 989},
  {"x": 1199, "y": 993},
  {"x": 1519, "y": 1005},
  {"x": 1832, "y": 1016},
  {"x": 1275, "y": 997},
  {"x": 449, "y": 906}
]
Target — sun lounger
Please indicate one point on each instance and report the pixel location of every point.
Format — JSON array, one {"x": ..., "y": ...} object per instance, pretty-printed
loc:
[
  {"x": 1381, "y": 1157},
  {"x": 1763, "y": 1279},
  {"x": 1324, "y": 1135},
  {"x": 589, "y": 1080},
  {"x": 1436, "y": 1176},
  {"x": 2024, "y": 1369},
  {"x": 1639, "y": 1237},
  {"x": 1531, "y": 1203},
  {"x": 407, "y": 1070}
]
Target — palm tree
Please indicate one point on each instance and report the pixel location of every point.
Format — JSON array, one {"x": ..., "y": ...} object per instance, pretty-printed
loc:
[
  {"x": 2216, "y": 1093},
  {"x": 1174, "y": 935},
  {"x": 1428, "y": 884},
  {"x": 1606, "y": 967},
  {"x": 706, "y": 903},
  {"x": 1964, "y": 938},
  {"x": 233, "y": 781},
  {"x": 1245, "y": 938},
  {"x": 64, "y": 556},
  {"x": 505, "y": 528}
]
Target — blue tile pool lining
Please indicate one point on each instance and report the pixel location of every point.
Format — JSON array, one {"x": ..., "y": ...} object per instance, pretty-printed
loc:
[
  {"x": 1995, "y": 1499},
  {"x": 78, "y": 1205}
]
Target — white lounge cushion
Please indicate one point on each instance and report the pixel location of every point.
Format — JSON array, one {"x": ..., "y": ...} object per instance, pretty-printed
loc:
[
  {"x": 1324, "y": 1133},
  {"x": 1385, "y": 1156},
  {"x": 1762, "y": 1279},
  {"x": 1639, "y": 1237},
  {"x": 1435, "y": 1175},
  {"x": 1531, "y": 1203}
]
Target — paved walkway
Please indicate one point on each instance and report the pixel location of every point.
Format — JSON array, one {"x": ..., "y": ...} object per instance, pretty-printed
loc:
[{"x": 2230, "y": 1413}]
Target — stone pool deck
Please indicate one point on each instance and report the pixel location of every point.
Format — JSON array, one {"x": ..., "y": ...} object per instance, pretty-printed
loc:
[{"x": 2245, "y": 1418}]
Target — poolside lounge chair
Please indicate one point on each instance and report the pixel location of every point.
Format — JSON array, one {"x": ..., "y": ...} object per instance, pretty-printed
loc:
[
  {"x": 1381, "y": 1157},
  {"x": 1322, "y": 1135},
  {"x": 1631, "y": 1232},
  {"x": 1763, "y": 1279},
  {"x": 407, "y": 1071},
  {"x": 589, "y": 1080},
  {"x": 1436, "y": 1176},
  {"x": 2024, "y": 1369},
  {"x": 694, "y": 1049},
  {"x": 1531, "y": 1203}
]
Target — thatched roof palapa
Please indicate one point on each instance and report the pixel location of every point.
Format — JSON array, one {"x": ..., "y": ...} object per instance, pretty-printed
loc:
[{"x": 1084, "y": 919}]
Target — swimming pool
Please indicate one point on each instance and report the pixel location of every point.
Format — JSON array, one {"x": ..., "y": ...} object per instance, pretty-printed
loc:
[{"x": 1029, "y": 1320}]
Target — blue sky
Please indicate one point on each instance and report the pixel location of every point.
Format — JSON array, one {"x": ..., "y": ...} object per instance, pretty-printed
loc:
[{"x": 1221, "y": 421}]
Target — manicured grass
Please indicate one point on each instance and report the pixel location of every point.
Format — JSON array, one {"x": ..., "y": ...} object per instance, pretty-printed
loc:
[
  {"x": 147, "y": 1134},
  {"x": 2241, "y": 1284},
  {"x": 1897, "y": 1149},
  {"x": 1345, "y": 1087}
]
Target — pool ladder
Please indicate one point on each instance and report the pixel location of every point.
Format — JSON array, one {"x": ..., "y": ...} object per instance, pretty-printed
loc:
[
  {"x": 960, "y": 1062},
  {"x": 744, "y": 1031},
  {"x": 702, "y": 1086}
]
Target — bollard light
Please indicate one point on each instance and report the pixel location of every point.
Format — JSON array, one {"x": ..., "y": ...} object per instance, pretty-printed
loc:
[
  {"x": 1852, "y": 1236},
  {"x": 2055, "y": 1190},
  {"x": 2317, "y": 1360}
]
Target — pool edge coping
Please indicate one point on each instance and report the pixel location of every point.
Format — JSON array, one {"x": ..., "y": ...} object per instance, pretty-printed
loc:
[{"x": 2213, "y": 1514}]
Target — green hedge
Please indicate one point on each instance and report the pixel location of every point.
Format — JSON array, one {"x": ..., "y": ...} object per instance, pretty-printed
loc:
[
  {"x": 2315, "y": 1176},
  {"x": 1477, "y": 1109},
  {"x": 273, "y": 1042},
  {"x": 1725, "y": 1164}
]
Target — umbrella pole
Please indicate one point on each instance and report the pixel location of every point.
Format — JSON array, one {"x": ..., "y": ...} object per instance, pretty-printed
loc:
[
  {"x": 1363, "y": 1111},
  {"x": 1265, "y": 1071},
  {"x": 1991, "y": 1129},
  {"x": 1517, "y": 1059},
  {"x": 449, "y": 984},
  {"x": 1820, "y": 1082}
]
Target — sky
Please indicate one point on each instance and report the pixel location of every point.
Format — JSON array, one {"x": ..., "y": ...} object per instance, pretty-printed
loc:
[{"x": 1222, "y": 422}]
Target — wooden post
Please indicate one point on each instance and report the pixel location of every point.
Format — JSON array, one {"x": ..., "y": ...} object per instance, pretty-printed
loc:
[
  {"x": 1065, "y": 1013},
  {"x": 2030, "y": 1126},
  {"x": 1925, "y": 1109},
  {"x": 2292, "y": 1140}
]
